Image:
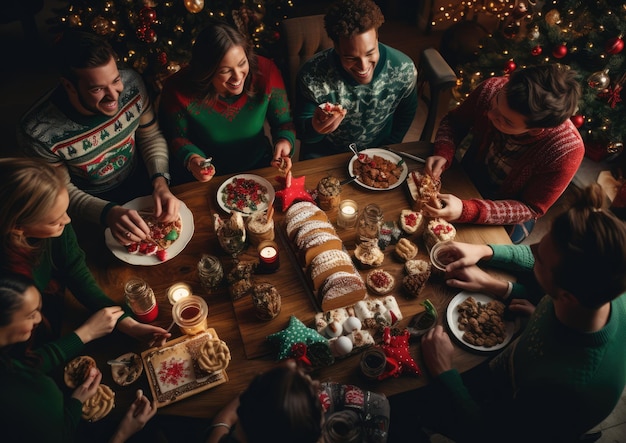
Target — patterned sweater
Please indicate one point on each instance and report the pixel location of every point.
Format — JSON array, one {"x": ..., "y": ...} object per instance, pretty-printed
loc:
[
  {"x": 544, "y": 164},
  {"x": 551, "y": 384},
  {"x": 32, "y": 407},
  {"x": 98, "y": 151},
  {"x": 380, "y": 112},
  {"x": 231, "y": 129}
]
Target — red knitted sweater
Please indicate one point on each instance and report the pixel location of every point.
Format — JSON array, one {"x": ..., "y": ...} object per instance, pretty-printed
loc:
[{"x": 538, "y": 177}]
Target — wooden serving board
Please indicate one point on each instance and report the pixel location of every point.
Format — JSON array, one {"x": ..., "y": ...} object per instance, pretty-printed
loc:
[{"x": 166, "y": 365}]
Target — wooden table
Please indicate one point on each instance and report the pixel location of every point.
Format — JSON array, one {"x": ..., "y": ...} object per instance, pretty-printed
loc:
[{"x": 112, "y": 273}]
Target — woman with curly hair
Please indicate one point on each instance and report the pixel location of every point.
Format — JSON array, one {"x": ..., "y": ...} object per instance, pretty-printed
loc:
[
  {"x": 373, "y": 83},
  {"x": 217, "y": 106}
]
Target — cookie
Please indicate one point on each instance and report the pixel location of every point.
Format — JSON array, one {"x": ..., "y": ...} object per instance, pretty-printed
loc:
[
  {"x": 214, "y": 355},
  {"x": 99, "y": 405},
  {"x": 76, "y": 371}
]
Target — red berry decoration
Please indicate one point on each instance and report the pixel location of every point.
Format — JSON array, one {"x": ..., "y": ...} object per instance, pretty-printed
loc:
[
  {"x": 559, "y": 51},
  {"x": 537, "y": 50},
  {"x": 578, "y": 120},
  {"x": 162, "y": 57},
  {"x": 509, "y": 67},
  {"x": 614, "y": 45}
]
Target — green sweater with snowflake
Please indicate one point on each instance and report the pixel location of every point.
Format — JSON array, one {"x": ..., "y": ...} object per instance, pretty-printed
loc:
[
  {"x": 552, "y": 383},
  {"x": 378, "y": 113}
]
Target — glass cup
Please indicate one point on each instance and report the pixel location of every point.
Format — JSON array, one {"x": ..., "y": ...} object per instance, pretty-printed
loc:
[
  {"x": 190, "y": 314},
  {"x": 439, "y": 257},
  {"x": 140, "y": 297},
  {"x": 210, "y": 272}
]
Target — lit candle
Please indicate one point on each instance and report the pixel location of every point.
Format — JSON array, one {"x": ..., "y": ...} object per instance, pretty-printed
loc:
[
  {"x": 347, "y": 215},
  {"x": 178, "y": 291},
  {"x": 268, "y": 256}
]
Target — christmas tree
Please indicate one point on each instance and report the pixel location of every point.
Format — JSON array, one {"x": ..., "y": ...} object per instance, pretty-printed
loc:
[
  {"x": 586, "y": 35},
  {"x": 155, "y": 37}
]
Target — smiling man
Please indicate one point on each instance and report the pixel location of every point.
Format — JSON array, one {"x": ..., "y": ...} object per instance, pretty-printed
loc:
[
  {"x": 373, "y": 83},
  {"x": 98, "y": 125},
  {"x": 519, "y": 147}
]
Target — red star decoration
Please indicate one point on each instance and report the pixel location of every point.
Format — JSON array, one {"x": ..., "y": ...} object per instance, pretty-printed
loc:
[
  {"x": 293, "y": 193},
  {"x": 396, "y": 348}
]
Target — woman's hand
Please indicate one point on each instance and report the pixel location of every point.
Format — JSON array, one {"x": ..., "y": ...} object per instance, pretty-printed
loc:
[
  {"x": 89, "y": 387},
  {"x": 154, "y": 335},
  {"x": 99, "y": 324},
  {"x": 434, "y": 166},
  {"x": 138, "y": 414},
  {"x": 472, "y": 278},
  {"x": 200, "y": 173},
  {"x": 522, "y": 306},
  {"x": 451, "y": 207}
]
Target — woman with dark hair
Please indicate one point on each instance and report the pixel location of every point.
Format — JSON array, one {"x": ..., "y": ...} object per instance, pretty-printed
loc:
[
  {"x": 217, "y": 106},
  {"x": 32, "y": 407}
]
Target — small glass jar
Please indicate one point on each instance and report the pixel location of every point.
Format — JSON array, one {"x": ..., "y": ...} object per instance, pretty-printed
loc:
[
  {"x": 210, "y": 272},
  {"x": 190, "y": 314},
  {"x": 369, "y": 223},
  {"x": 140, "y": 297}
]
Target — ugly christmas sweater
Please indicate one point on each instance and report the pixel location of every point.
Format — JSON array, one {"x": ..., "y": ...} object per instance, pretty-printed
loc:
[
  {"x": 541, "y": 167},
  {"x": 378, "y": 113},
  {"x": 32, "y": 407},
  {"x": 230, "y": 130},
  {"x": 551, "y": 384},
  {"x": 99, "y": 151}
]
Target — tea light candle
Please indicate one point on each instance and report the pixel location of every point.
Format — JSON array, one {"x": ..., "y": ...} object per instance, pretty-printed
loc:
[
  {"x": 178, "y": 291},
  {"x": 347, "y": 214},
  {"x": 268, "y": 256}
]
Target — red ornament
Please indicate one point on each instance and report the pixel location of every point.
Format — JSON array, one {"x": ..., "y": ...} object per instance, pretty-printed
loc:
[
  {"x": 150, "y": 36},
  {"x": 162, "y": 58},
  {"x": 536, "y": 51},
  {"x": 578, "y": 120},
  {"x": 509, "y": 67},
  {"x": 559, "y": 51},
  {"x": 141, "y": 32},
  {"x": 614, "y": 45},
  {"x": 147, "y": 16}
]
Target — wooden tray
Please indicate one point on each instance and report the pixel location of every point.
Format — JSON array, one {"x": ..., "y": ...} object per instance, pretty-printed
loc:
[{"x": 172, "y": 370}]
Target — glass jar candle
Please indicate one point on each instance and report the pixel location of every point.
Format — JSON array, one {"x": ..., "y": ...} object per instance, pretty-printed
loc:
[
  {"x": 268, "y": 257},
  {"x": 210, "y": 272},
  {"x": 141, "y": 300},
  {"x": 190, "y": 314},
  {"x": 178, "y": 291},
  {"x": 347, "y": 214}
]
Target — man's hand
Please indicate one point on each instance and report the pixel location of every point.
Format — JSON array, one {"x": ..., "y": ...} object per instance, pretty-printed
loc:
[
  {"x": 437, "y": 351},
  {"x": 200, "y": 173},
  {"x": 153, "y": 335},
  {"x": 166, "y": 205},
  {"x": 434, "y": 166},
  {"x": 451, "y": 207},
  {"x": 324, "y": 123},
  {"x": 459, "y": 255},
  {"x": 474, "y": 279}
]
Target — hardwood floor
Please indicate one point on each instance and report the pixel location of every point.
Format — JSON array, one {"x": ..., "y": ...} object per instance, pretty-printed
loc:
[{"x": 27, "y": 72}]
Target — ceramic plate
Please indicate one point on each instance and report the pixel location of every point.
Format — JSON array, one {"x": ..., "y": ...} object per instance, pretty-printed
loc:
[
  {"x": 452, "y": 317},
  {"x": 149, "y": 260},
  {"x": 387, "y": 156},
  {"x": 247, "y": 207}
]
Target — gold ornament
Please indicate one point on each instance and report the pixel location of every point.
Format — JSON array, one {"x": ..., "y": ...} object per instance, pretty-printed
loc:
[
  {"x": 194, "y": 6},
  {"x": 599, "y": 80},
  {"x": 101, "y": 25},
  {"x": 75, "y": 20},
  {"x": 553, "y": 17}
]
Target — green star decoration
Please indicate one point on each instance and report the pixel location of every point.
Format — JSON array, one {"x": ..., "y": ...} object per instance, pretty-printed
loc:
[{"x": 296, "y": 332}]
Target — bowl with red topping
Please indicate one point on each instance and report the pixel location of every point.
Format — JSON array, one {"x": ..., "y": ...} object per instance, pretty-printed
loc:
[
  {"x": 245, "y": 193},
  {"x": 380, "y": 281}
]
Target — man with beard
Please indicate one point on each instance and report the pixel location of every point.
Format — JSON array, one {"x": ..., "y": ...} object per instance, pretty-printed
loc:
[{"x": 99, "y": 125}]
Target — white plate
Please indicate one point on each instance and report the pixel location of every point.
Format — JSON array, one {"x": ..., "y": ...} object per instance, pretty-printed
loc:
[
  {"x": 387, "y": 156},
  {"x": 246, "y": 211},
  {"x": 149, "y": 260},
  {"x": 452, "y": 316}
]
